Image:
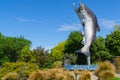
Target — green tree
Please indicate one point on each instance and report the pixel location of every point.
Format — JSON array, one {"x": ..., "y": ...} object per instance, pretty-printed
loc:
[
  {"x": 99, "y": 52},
  {"x": 10, "y": 48},
  {"x": 42, "y": 58},
  {"x": 117, "y": 27},
  {"x": 13, "y": 45},
  {"x": 57, "y": 51},
  {"x": 103, "y": 55},
  {"x": 3, "y": 57},
  {"x": 73, "y": 42},
  {"x": 99, "y": 45},
  {"x": 113, "y": 43},
  {"x": 26, "y": 55}
]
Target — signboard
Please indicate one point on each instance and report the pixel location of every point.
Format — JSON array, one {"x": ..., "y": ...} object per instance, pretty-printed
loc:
[{"x": 80, "y": 67}]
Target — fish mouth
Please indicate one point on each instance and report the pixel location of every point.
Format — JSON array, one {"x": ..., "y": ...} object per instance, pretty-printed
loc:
[
  {"x": 81, "y": 4},
  {"x": 77, "y": 9},
  {"x": 74, "y": 7}
]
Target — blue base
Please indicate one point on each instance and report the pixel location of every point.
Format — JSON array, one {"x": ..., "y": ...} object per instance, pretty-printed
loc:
[{"x": 80, "y": 67}]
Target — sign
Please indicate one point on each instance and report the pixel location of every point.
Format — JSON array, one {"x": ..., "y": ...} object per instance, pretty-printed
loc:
[{"x": 80, "y": 67}]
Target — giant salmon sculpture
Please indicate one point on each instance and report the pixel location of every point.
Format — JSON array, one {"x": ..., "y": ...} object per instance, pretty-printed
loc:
[{"x": 90, "y": 27}]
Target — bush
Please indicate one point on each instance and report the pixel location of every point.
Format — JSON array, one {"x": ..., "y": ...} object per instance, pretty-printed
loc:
[
  {"x": 57, "y": 64},
  {"x": 38, "y": 75},
  {"x": 85, "y": 75},
  {"x": 10, "y": 76},
  {"x": 104, "y": 66},
  {"x": 69, "y": 58},
  {"x": 103, "y": 55},
  {"x": 116, "y": 62},
  {"x": 106, "y": 75},
  {"x": 76, "y": 72},
  {"x": 105, "y": 71},
  {"x": 23, "y": 69},
  {"x": 51, "y": 74}
]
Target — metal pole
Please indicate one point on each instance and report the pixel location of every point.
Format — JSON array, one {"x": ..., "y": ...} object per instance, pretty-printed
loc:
[{"x": 88, "y": 60}]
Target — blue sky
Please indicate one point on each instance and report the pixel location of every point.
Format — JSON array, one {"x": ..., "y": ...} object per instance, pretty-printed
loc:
[{"x": 48, "y": 22}]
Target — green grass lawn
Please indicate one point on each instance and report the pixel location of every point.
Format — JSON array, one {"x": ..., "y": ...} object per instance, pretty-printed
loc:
[{"x": 116, "y": 79}]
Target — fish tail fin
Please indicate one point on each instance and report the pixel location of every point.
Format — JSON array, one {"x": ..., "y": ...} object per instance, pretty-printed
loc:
[{"x": 84, "y": 50}]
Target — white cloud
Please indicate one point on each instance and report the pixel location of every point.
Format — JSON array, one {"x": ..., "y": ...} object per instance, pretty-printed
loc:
[
  {"x": 27, "y": 20},
  {"x": 108, "y": 23},
  {"x": 69, "y": 27}
]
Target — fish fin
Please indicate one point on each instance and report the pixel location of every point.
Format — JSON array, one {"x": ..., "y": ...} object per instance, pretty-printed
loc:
[
  {"x": 83, "y": 41},
  {"x": 84, "y": 50},
  {"x": 98, "y": 28},
  {"x": 83, "y": 23}
]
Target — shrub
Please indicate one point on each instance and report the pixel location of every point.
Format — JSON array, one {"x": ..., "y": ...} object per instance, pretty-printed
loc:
[
  {"x": 85, "y": 75},
  {"x": 104, "y": 66},
  {"x": 116, "y": 62},
  {"x": 38, "y": 75},
  {"x": 103, "y": 55},
  {"x": 69, "y": 58},
  {"x": 57, "y": 64},
  {"x": 51, "y": 74},
  {"x": 106, "y": 75},
  {"x": 59, "y": 74},
  {"x": 10, "y": 76},
  {"x": 23, "y": 69},
  {"x": 76, "y": 72},
  {"x": 105, "y": 71}
]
